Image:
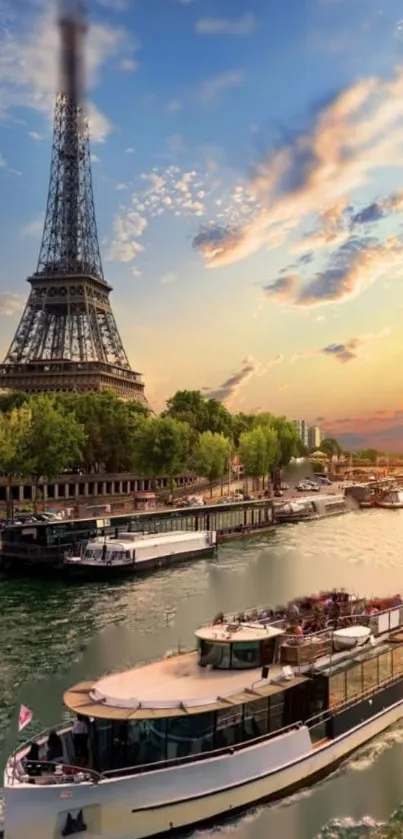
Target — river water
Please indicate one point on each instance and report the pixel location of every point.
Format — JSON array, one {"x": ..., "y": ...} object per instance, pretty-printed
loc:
[{"x": 53, "y": 635}]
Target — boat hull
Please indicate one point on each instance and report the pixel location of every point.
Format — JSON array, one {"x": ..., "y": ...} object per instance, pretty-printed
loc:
[
  {"x": 108, "y": 571},
  {"x": 182, "y": 797}
]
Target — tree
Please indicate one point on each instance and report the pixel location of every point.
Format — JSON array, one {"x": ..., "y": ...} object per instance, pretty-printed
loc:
[
  {"x": 200, "y": 413},
  {"x": 211, "y": 456},
  {"x": 241, "y": 422},
  {"x": 258, "y": 450},
  {"x": 109, "y": 424},
  {"x": 14, "y": 430},
  {"x": 55, "y": 439},
  {"x": 330, "y": 447},
  {"x": 188, "y": 406},
  {"x": 371, "y": 455},
  {"x": 161, "y": 447}
]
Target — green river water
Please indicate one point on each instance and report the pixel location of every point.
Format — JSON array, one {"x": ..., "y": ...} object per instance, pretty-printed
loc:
[{"x": 53, "y": 635}]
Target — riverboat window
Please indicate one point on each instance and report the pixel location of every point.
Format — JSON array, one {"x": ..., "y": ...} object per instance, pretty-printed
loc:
[
  {"x": 370, "y": 673},
  {"x": 334, "y": 506},
  {"x": 385, "y": 666},
  {"x": 337, "y": 688},
  {"x": 245, "y": 655},
  {"x": 229, "y": 727},
  {"x": 256, "y": 719},
  {"x": 214, "y": 654},
  {"x": 276, "y": 711},
  {"x": 397, "y": 660},
  {"x": 354, "y": 681},
  {"x": 190, "y": 735}
]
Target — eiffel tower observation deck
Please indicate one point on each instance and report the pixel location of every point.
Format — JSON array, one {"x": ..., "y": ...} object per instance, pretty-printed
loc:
[{"x": 67, "y": 338}]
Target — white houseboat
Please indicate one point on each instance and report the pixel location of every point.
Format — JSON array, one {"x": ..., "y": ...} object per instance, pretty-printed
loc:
[
  {"x": 132, "y": 553},
  {"x": 311, "y": 508},
  {"x": 255, "y": 712},
  {"x": 392, "y": 500}
]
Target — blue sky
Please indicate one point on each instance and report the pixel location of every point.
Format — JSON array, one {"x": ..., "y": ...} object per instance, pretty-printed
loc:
[{"x": 247, "y": 175}]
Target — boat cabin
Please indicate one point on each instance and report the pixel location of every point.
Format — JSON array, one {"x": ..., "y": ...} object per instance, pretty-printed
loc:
[
  {"x": 225, "y": 693},
  {"x": 236, "y": 688}
]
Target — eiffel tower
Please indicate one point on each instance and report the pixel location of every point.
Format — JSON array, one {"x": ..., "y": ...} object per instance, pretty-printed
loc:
[{"x": 67, "y": 338}]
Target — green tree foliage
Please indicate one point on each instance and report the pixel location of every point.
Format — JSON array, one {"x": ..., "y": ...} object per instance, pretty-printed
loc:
[
  {"x": 54, "y": 440},
  {"x": 201, "y": 414},
  {"x": 14, "y": 430},
  {"x": 161, "y": 447},
  {"x": 211, "y": 456},
  {"x": 330, "y": 447},
  {"x": 258, "y": 450},
  {"x": 109, "y": 425},
  {"x": 371, "y": 455}
]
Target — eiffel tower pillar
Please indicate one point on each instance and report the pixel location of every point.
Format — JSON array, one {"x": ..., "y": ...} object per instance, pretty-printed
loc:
[{"x": 67, "y": 338}]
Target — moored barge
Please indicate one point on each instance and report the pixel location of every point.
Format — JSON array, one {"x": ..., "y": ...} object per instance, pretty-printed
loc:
[
  {"x": 134, "y": 553},
  {"x": 41, "y": 547},
  {"x": 253, "y": 713},
  {"x": 311, "y": 508}
]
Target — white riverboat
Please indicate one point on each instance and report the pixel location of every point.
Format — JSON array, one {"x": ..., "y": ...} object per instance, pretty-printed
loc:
[
  {"x": 250, "y": 715},
  {"x": 392, "y": 500},
  {"x": 311, "y": 508},
  {"x": 132, "y": 553}
]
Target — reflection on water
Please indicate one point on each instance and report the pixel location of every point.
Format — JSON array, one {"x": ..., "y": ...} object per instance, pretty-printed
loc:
[{"x": 55, "y": 634}]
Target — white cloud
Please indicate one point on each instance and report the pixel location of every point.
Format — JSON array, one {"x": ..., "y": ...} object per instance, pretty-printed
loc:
[
  {"x": 3, "y": 163},
  {"x": 10, "y": 304},
  {"x": 174, "y": 106},
  {"x": 129, "y": 150},
  {"x": 35, "y": 136},
  {"x": 211, "y": 88},
  {"x": 129, "y": 64},
  {"x": 128, "y": 228},
  {"x": 244, "y": 25},
  {"x": 34, "y": 227},
  {"x": 29, "y": 64},
  {"x": 167, "y": 279}
]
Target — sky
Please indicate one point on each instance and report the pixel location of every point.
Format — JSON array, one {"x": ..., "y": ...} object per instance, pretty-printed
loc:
[{"x": 247, "y": 165}]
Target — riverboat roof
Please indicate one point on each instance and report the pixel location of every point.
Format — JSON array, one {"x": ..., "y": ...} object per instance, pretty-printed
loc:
[
  {"x": 128, "y": 541},
  {"x": 239, "y": 632},
  {"x": 172, "y": 687}
]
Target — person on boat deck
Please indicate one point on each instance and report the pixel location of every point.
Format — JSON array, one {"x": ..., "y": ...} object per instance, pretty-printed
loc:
[
  {"x": 55, "y": 748},
  {"x": 80, "y": 738},
  {"x": 296, "y": 632},
  {"x": 292, "y": 612}
]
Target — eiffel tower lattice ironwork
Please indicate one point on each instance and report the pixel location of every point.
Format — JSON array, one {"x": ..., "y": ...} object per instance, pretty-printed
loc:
[{"x": 67, "y": 338}]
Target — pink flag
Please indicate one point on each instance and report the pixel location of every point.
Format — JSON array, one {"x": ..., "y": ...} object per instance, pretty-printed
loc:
[{"x": 24, "y": 717}]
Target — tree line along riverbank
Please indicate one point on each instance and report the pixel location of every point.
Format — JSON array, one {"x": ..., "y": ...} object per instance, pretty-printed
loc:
[{"x": 41, "y": 436}]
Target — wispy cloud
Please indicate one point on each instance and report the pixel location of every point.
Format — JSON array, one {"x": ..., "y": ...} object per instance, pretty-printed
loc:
[
  {"x": 229, "y": 389},
  {"x": 34, "y": 227},
  {"x": 350, "y": 350},
  {"x": 212, "y": 88},
  {"x": 174, "y": 106},
  {"x": 10, "y": 304},
  {"x": 351, "y": 271},
  {"x": 315, "y": 175},
  {"x": 282, "y": 288},
  {"x": 184, "y": 194},
  {"x": 29, "y": 63},
  {"x": 377, "y": 210},
  {"x": 244, "y": 25}
]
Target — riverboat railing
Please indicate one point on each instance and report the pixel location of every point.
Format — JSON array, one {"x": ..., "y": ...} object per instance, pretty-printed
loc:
[{"x": 316, "y": 724}]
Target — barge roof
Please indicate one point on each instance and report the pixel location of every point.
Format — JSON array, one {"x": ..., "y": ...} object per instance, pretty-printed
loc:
[{"x": 174, "y": 686}]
